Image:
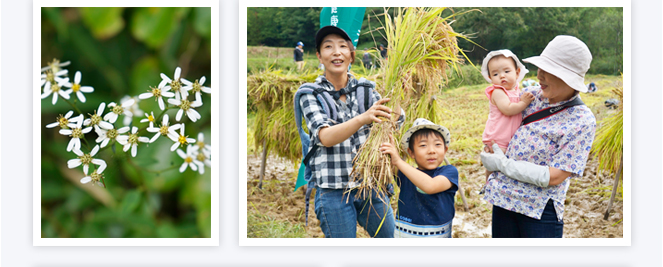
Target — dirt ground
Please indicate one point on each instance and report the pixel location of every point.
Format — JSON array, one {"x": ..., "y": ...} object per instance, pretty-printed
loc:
[{"x": 586, "y": 203}]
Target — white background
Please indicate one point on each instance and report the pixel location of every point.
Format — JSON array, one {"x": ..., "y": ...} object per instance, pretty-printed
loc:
[{"x": 16, "y": 174}]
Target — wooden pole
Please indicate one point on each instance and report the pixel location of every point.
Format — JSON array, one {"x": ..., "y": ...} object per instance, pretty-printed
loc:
[
  {"x": 263, "y": 162},
  {"x": 614, "y": 187}
]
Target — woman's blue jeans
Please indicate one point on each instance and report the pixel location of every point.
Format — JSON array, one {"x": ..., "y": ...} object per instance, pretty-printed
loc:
[
  {"x": 509, "y": 224},
  {"x": 340, "y": 211}
]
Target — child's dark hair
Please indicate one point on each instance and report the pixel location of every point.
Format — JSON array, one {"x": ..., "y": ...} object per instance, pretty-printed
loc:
[{"x": 423, "y": 133}]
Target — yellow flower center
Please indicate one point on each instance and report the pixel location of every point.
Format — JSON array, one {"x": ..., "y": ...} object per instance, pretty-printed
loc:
[
  {"x": 196, "y": 87},
  {"x": 55, "y": 65},
  {"x": 50, "y": 76},
  {"x": 133, "y": 138},
  {"x": 112, "y": 133},
  {"x": 200, "y": 157},
  {"x": 188, "y": 160},
  {"x": 94, "y": 118},
  {"x": 185, "y": 105},
  {"x": 55, "y": 88},
  {"x": 176, "y": 85},
  {"x": 76, "y": 87},
  {"x": 201, "y": 145},
  {"x": 117, "y": 109},
  {"x": 96, "y": 177},
  {"x": 182, "y": 140},
  {"x": 76, "y": 133},
  {"x": 63, "y": 122},
  {"x": 150, "y": 118},
  {"x": 86, "y": 159},
  {"x": 164, "y": 130},
  {"x": 156, "y": 92}
]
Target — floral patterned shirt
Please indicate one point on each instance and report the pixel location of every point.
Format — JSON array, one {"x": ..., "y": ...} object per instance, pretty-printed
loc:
[{"x": 562, "y": 141}]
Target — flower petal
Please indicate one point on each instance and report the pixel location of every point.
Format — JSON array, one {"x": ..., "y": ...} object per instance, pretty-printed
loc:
[
  {"x": 77, "y": 77},
  {"x": 162, "y": 106},
  {"x": 52, "y": 125},
  {"x": 105, "y": 125},
  {"x": 178, "y": 71},
  {"x": 202, "y": 80},
  {"x": 123, "y": 129},
  {"x": 102, "y": 167},
  {"x": 134, "y": 150},
  {"x": 80, "y": 96},
  {"x": 73, "y": 163},
  {"x": 174, "y": 146},
  {"x": 181, "y": 153},
  {"x": 183, "y": 167},
  {"x": 87, "y": 89},
  {"x": 86, "y": 168},
  {"x": 178, "y": 116},
  {"x": 86, "y": 179},
  {"x": 94, "y": 151},
  {"x": 145, "y": 95}
]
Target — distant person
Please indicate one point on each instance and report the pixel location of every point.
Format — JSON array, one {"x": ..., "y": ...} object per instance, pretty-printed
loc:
[
  {"x": 299, "y": 56},
  {"x": 367, "y": 60},
  {"x": 503, "y": 69},
  {"x": 383, "y": 52},
  {"x": 426, "y": 200}
]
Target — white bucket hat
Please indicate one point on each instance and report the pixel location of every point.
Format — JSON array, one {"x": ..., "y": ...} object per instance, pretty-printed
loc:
[
  {"x": 506, "y": 53},
  {"x": 422, "y": 123},
  {"x": 567, "y": 58}
]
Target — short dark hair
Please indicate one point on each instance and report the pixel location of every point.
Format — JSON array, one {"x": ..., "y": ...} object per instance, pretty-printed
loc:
[{"x": 423, "y": 133}]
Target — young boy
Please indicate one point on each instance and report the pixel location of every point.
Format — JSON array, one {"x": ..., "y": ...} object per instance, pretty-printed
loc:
[{"x": 426, "y": 200}]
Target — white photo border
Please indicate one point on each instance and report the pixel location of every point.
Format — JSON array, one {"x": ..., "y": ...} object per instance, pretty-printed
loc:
[{"x": 37, "y": 240}]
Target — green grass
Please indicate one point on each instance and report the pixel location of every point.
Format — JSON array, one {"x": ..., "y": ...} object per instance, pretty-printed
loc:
[{"x": 263, "y": 226}]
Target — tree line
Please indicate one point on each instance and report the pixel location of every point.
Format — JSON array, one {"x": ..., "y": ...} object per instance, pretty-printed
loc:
[{"x": 523, "y": 30}]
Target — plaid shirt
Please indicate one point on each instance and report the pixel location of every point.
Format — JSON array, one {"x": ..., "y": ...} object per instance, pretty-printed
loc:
[{"x": 331, "y": 166}]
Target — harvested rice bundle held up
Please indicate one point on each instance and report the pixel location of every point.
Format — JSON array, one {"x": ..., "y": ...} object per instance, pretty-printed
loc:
[{"x": 422, "y": 45}]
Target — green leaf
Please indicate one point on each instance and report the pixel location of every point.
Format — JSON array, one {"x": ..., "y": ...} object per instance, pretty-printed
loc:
[
  {"x": 130, "y": 202},
  {"x": 202, "y": 21},
  {"x": 153, "y": 25},
  {"x": 145, "y": 73},
  {"x": 167, "y": 230},
  {"x": 103, "y": 22}
]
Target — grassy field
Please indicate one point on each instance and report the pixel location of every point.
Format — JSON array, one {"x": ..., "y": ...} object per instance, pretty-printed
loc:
[{"x": 275, "y": 211}]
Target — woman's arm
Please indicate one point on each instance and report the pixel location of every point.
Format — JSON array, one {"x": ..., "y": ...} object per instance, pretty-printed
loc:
[
  {"x": 557, "y": 176},
  {"x": 333, "y": 135},
  {"x": 505, "y": 105}
]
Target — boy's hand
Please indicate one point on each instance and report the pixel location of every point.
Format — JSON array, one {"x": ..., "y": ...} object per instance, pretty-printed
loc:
[
  {"x": 376, "y": 111},
  {"x": 527, "y": 97},
  {"x": 388, "y": 148}
]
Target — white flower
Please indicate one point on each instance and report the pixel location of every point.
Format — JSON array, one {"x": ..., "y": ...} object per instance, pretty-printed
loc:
[
  {"x": 186, "y": 107},
  {"x": 55, "y": 89},
  {"x": 63, "y": 121},
  {"x": 77, "y": 88},
  {"x": 149, "y": 118},
  {"x": 117, "y": 110},
  {"x": 196, "y": 87},
  {"x": 76, "y": 132},
  {"x": 179, "y": 139},
  {"x": 158, "y": 93},
  {"x": 203, "y": 157},
  {"x": 175, "y": 84},
  {"x": 95, "y": 119},
  {"x": 164, "y": 130},
  {"x": 134, "y": 109},
  {"x": 190, "y": 160},
  {"x": 86, "y": 159},
  {"x": 55, "y": 66},
  {"x": 131, "y": 140},
  {"x": 48, "y": 78},
  {"x": 95, "y": 178},
  {"x": 200, "y": 143},
  {"x": 105, "y": 136}
]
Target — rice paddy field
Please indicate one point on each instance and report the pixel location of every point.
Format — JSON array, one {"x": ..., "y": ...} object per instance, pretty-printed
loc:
[{"x": 274, "y": 210}]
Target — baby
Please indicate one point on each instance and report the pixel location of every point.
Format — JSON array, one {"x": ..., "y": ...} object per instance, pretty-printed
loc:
[{"x": 503, "y": 69}]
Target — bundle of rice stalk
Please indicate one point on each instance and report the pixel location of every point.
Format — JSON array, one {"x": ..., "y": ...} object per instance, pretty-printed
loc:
[
  {"x": 421, "y": 44},
  {"x": 608, "y": 144}
]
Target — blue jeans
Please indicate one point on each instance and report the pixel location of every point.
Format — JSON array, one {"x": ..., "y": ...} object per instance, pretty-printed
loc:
[
  {"x": 340, "y": 212},
  {"x": 509, "y": 224}
]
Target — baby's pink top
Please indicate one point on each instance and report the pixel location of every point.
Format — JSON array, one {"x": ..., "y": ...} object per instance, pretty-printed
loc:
[{"x": 499, "y": 127}]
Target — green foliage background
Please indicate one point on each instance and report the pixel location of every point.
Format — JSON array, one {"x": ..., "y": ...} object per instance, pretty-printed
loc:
[
  {"x": 523, "y": 30},
  {"x": 122, "y": 51}
]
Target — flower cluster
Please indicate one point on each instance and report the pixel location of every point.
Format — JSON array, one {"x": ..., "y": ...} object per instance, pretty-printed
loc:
[{"x": 176, "y": 92}]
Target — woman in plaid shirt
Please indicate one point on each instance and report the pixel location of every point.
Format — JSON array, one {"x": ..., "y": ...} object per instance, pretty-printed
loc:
[{"x": 336, "y": 206}]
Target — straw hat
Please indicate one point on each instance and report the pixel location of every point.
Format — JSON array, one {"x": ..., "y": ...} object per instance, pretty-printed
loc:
[
  {"x": 567, "y": 58},
  {"x": 422, "y": 123},
  {"x": 506, "y": 53}
]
